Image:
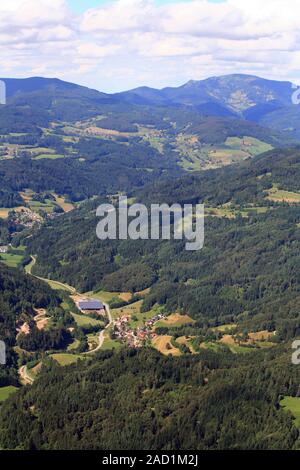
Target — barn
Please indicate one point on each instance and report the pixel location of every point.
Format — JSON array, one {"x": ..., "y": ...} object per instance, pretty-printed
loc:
[{"x": 91, "y": 306}]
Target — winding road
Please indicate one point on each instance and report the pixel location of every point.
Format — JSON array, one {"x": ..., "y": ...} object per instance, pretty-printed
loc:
[
  {"x": 61, "y": 285},
  {"x": 25, "y": 378},
  {"x": 102, "y": 332}
]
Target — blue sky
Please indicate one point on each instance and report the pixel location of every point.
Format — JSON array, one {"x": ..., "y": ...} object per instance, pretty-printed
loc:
[{"x": 82, "y": 5}]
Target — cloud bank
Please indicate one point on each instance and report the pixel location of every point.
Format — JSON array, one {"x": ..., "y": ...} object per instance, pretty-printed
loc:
[{"x": 126, "y": 43}]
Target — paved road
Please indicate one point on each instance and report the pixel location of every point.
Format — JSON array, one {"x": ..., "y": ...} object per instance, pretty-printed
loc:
[
  {"x": 66, "y": 287},
  {"x": 102, "y": 332}
]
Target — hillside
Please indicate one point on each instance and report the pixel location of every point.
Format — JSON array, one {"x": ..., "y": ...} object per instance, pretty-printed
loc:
[
  {"x": 267, "y": 102},
  {"x": 193, "y": 349},
  {"x": 19, "y": 296},
  {"x": 141, "y": 400},
  {"x": 79, "y": 143},
  {"x": 237, "y": 92},
  {"x": 256, "y": 200}
]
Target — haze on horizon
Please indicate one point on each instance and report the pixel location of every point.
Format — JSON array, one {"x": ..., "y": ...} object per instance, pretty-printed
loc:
[{"x": 122, "y": 44}]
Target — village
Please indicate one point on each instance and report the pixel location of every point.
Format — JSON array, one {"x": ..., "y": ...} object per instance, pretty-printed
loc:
[
  {"x": 26, "y": 217},
  {"x": 135, "y": 338},
  {"x": 120, "y": 327}
]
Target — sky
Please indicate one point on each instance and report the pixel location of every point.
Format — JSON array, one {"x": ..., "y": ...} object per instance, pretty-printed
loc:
[{"x": 114, "y": 45}]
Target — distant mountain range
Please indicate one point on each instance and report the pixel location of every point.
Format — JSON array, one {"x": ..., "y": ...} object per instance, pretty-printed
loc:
[
  {"x": 234, "y": 94},
  {"x": 267, "y": 102},
  {"x": 244, "y": 97}
]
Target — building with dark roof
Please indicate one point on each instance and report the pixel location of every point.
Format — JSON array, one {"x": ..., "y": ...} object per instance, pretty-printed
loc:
[{"x": 91, "y": 305}]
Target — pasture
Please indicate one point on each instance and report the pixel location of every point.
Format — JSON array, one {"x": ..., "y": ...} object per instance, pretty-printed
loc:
[
  {"x": 5, "y": 392},
  {"x": 12, "y": 260},
  {"x": 164, "y": 346},
  {"x": 292, "y": 404},
  {"x": 84, "y": 320},
  {"x": 175, "y": 320},
  {"x": 279, "y": 195},
  {"x": 66, "y": 359}
]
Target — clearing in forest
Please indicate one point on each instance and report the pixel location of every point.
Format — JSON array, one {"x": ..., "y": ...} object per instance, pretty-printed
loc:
[
  {"x": 292, "y": 404},
  {"x": 175, "y": 320},
  {"x": 163, "y": 345}
]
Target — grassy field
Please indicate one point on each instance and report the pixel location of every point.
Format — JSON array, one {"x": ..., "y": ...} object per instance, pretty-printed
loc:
[
  {"x": 107, "y": 297},
  {"x": 278, "y": 195},
  {"x": 50, "y": 156},
  {"x": 11, "y": 260},
  {"x": 221, "y": 212},
  {"x": 73, "y": 345},
  {"x": 195, "y": 156},
  {"x": 132, "y": 310},
  {"x": 187, "y": 341},
  {"x": 49, "y": 204},
  {"x": 211, "y": 345},
  {"x": 110, "y": 344},
  {"x": 27, "y": 195},
  {"x": 236, "y": 349},
  {"x": 33, "y": 371},
  {"x": 5, "y": 392},
  {"x": 234, "y": 346},
  {"x": 141, "y": 318},
  {"x": 225, "y": 328},
  {"x": 164, "y": 346},
  {"x": 4, "y": 213},
  {"x": 263, "y": 335},
  {"x": 292, "y": 404},
  {"x": 249, "y": 144},
  {"x": 61, "y": 202},
  {"x": 39, "y": 150},
  {"x": 175, "y": 320},
  {"x": 83, "y": 320},
  {"x": 230, "y": 213},
  {"x": 66, "y": 359}
]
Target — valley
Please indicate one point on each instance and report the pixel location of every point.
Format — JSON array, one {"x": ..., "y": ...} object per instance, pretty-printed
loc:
[{"x": 177, "y": 349}]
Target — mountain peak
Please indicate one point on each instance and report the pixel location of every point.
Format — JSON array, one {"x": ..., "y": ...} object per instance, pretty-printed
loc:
[{"x": 235, "y": 93}]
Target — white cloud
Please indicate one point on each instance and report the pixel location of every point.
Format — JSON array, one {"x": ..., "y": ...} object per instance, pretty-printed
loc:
[
  {"x": 92, "y": 50},
  {"x": 149, "y": 43}
]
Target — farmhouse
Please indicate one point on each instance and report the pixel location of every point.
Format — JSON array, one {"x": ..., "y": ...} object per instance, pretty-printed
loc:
[
  {"x": 3, "y": 249},
  {"x": 88, "y": 306}
]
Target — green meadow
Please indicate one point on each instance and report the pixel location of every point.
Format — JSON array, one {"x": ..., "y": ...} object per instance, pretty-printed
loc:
[
  {"x": 292, "y": 404},
  {"x": 5, "y": 392}
]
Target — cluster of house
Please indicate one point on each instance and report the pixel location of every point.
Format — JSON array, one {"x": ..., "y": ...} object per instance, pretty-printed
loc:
[
  {"x": 135, "y": 338},
  {"x": 3, "y": 249},
  {"x": 26, "y": 217}
]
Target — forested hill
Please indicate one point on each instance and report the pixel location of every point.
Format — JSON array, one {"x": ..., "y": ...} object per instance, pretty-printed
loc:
[
  {"x": 35, "y": 103},
  {"x": 246, "y": 183},
  {"x": 17, "y": 88},
  {"x": 58, "y": 136},
  {"x": 228, "y": 94},
  {"x": 267, "y": 102},
  {"x": 142, "y": 400},
  {"x": 247, "y": 271},
  {"x": 19, "y": 295},
  {"x": 234, "y": 305}
]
